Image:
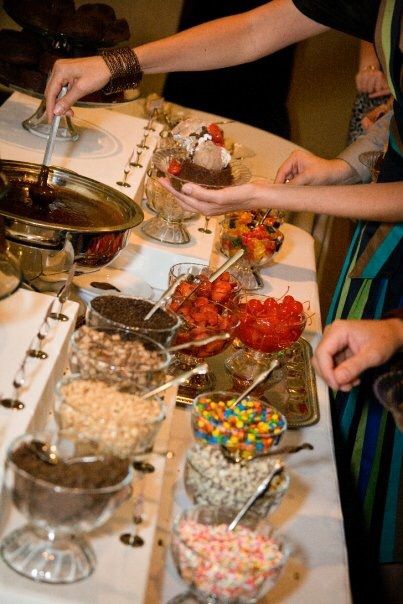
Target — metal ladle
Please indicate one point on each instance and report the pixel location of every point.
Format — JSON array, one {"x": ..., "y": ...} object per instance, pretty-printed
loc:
[{"x": 41, "y": 192}]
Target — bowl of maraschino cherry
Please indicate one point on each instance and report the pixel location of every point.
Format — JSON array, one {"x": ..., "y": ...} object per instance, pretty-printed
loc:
[{"x": 268, "y": 327}]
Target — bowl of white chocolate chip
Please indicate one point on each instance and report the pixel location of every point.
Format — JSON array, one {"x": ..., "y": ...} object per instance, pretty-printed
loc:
[{"x": 212, "y": 479}]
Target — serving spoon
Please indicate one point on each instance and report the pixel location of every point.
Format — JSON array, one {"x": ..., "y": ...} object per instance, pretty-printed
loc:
[
  {"x": 50, "y": 454},
  {"x": 278, "y": 467},
  {"x": 260, "y": 378}
]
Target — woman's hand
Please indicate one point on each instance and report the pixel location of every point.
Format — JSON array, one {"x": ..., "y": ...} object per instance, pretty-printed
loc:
[
  {"x": 82, "y": 76},
  {"x": 371, "y": 80},
  {"x": 305, "y": 168},
  {"x": 350, "y": 347},
  {"x": 212, "y": 202}
]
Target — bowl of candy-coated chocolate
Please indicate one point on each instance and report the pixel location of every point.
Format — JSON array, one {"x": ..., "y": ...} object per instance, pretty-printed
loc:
[{"x": 247, "y": 430}]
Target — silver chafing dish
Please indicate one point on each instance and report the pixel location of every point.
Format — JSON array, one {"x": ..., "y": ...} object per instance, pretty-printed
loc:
[{"x": 89, "y": 226}]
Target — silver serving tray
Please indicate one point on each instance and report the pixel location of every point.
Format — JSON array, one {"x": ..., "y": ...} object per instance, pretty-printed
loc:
[{"x": 295, "y": 395}]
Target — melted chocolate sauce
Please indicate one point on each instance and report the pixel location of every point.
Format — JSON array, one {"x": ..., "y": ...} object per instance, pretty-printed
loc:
[{"x": 57, "y": 205}]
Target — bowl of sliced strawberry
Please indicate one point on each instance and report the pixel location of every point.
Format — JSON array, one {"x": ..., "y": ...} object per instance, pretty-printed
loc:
[
  {"x": 223, "y": 290},
  {"x": 201, "y": 319}
]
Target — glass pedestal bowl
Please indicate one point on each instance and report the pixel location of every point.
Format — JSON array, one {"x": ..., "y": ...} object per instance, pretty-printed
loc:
[
  {"x": 50, "y": 547},
  {"x": 212, "y": 479},
  {"x": 120, "y": 356},
  {"x": 221, "y": 566},
  {"x": 152, "y": 189},
  {"x": 201, "y": 318},
  {"x": 113, "y": 415},
  {"x": 268, "y": 329},
  {"x": 167, "y": 226},
  {"x": 248, "y": 430},
  {"x": 223, "y": 290},
  {"x": 128, "y": 312},
  {"x": 260, "y": 241}
]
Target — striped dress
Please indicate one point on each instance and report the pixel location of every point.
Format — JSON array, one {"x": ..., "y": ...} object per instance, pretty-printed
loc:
[{"x": 369, "y": 447}]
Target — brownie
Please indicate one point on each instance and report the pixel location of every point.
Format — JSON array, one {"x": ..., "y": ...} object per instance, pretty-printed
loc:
[
  {"x": 202, "y": 176},
  {"x": 116, "y": 32},
  {"x": 103, "y": 12},
  {"x": 88, "y": 30},
  {"x": 30, "y": 79},
  {"x": 44, "y": 15},
  {"x": 19, "y": 48}
]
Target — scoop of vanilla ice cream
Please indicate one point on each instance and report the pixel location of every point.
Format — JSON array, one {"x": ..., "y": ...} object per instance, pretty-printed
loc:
[{"x": 209, "y": 156}]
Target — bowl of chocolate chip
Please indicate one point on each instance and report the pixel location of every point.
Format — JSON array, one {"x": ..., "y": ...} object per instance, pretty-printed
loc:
[
  {"x": 56, "y": 218},
  {"x": 64, "y": 487},
  {"x": 128, "y": 312}
]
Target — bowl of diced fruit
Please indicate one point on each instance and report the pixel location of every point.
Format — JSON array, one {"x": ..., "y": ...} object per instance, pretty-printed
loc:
[{"x": 260, "y": 238}]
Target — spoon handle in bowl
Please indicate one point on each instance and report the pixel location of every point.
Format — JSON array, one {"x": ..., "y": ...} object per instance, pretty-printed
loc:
[
  {"x": 227, "y": 264},
  {"x": 200, "y": 369},
  {"x": 260, "y": 378},
  {"x": 262, "y": 487},
  {"x": 201, "y": 342},
  {"x": 165, "y": 296}
]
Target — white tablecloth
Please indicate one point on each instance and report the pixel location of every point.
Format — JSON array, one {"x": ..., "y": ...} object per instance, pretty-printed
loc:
[{"x": 310, "y": 516}]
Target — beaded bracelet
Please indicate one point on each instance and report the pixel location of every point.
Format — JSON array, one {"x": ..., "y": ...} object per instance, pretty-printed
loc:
[{"x": 125, "y": 69}]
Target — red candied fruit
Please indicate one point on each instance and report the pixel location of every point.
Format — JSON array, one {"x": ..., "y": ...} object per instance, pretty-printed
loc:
[
  {"x": 174, "y": 167},
  {"x": 216, "y": 133},
  {"x": 271, "y": 325}
]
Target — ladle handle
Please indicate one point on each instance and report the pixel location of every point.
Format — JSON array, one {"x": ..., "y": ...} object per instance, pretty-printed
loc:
[
  {"x": 263, "y": 486},
  {"x": 260, "y": 378},
  {"x": 53, "y": 131},
  {"x": 165, "y": 296},
  {"x": 287, "y": 450},
  {"x": 203, "y": 368},
  {"x": 221, "y": 269}
]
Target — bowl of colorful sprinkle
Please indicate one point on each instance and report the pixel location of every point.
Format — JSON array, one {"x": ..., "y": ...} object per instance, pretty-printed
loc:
[
  {"x": 223, "y": 566},
  {"x": 245, "y": 431}
]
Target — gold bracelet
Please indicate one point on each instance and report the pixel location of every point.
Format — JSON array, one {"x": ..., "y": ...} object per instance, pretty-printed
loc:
[
  {"x": 369, "y": 68},
  {"x": 125, "y": 69}
]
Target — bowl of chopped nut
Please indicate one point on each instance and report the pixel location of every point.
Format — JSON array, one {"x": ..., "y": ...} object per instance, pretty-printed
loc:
[
  {"x": 115, "y": 416},
  {"x": 119, "y": 355}
]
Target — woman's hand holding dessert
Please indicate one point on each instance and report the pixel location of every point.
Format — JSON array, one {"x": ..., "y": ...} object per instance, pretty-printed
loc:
[
  {"x": 305, "y": 168},
  {"x": 350, "y": 347},
  {"x": 212, "y": 202}
]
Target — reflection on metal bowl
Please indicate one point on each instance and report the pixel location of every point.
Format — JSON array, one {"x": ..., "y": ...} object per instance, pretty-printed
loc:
[{"x": 86, "y": 222}]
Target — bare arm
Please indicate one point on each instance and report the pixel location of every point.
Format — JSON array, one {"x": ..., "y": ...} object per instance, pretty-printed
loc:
[
  {"x": 382, "y": 201},
  {"x": 230, "y": 41}
]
